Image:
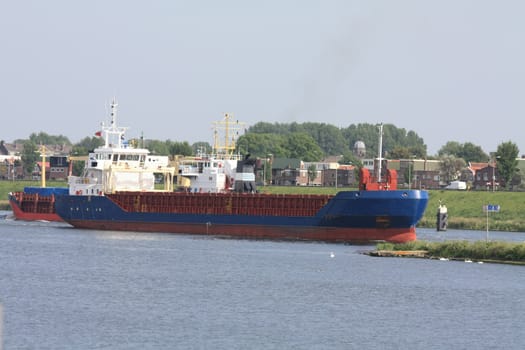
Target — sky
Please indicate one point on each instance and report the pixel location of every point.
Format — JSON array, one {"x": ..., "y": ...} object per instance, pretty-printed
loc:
[{"x": 449, "y": 70}]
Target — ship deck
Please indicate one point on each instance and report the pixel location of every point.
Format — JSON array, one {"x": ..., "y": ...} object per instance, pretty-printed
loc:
[{"x": 220, "y": 203}]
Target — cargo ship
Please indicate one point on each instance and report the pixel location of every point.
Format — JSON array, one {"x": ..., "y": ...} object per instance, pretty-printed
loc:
[
  {"x": 116, "y": 193},
  {"x": 349, "y": 216}
]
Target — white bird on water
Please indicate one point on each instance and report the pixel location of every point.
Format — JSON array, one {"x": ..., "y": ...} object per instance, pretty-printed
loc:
[{"x": 332, "y": 254}]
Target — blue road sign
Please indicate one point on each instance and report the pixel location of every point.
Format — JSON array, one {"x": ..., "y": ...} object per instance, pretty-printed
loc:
[{"x": 491, "y": 208}]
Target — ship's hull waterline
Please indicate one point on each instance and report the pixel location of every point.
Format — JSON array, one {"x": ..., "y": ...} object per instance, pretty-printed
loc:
[{"x": 350, "y": 216}]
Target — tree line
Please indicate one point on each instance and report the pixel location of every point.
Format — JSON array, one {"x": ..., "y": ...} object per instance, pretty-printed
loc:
[
  {"x": 320, "y": 140},
  {"x": 309, "y": 142}
]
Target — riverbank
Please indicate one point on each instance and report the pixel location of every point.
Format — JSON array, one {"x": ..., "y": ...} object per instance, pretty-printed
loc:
[
  {"x": 478, "y": 251},
  {"x": 465, "y": 210}
]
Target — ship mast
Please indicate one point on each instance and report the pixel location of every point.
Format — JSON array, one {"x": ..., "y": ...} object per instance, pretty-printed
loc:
[
  {"x": 230, "y": 132},
  {"x": 43, "y": 150},
  {"x": 113, "y": 134},
  {"x": 380, "y": 152}
]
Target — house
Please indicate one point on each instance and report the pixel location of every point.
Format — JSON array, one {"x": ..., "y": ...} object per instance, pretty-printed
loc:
[
  {"x": 469, "y": 174},
  {"x": 61, "y": 149},
  {"x": 57, "y": 168},
  {"x": 487, "y": 178},
  {"x": 11, "y": 168},
  {"x": 288, "y": 172},
  {"x": 294, "y": 172},
  {"x": 417, "y": 173},
  {"x": 422, "y": 173},
  {"x": 11, "y": 149},
  {"x": 319, "y": 168},
  {"x": 427, "y": 174},
  {"x": 341, "y": 176}
]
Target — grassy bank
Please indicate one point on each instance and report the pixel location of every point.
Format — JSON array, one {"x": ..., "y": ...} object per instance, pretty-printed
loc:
[
  {"x": 464, "y": 207},
  {"x": 491, "y": 251},
  {"x": 465, "y": 210}
]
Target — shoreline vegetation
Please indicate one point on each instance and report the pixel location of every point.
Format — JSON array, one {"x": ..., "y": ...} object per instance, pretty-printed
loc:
[
  {"x": 478, "y": 251},
  {"x": 465, "y": 208}
]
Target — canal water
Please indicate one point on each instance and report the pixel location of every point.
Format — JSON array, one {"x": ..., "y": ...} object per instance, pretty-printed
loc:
[{"x": 62, "y": 288}]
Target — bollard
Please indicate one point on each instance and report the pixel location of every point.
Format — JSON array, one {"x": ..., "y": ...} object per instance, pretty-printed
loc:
[{"x": 442, "y": 217}]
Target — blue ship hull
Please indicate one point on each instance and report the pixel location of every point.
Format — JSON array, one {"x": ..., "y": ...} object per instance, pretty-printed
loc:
[{"x": 350, "y": 216}]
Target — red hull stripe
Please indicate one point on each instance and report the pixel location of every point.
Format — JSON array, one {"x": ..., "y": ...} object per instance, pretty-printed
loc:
[
  {"x": 19, "y": 214},
  {"x": 306, "y": 233}
]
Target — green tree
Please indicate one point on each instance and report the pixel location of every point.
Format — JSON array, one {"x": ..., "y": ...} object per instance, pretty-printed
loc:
[
  {"x": 268, "y": 128},
  {"x": 180, "y": 148},
  {"x": 393, "y": 138},
  {"x": 201, "y": 147},
  {"x": 157, "y": 147},
  {"x": 418, "y": 151},
  {"x": 302, "y": 146},
  {"x": 400, "y": 153},
  {"x": 312, "y": 173},
  {"x": 333, "y": 140},
  {"x": 30, "y": 156},
  {"x": 507, "y": 163},
  {"x": 452, "y": 148},
  {"x": 473, "y": 153},
  {"x": 262, "y": 145},
  {"x": 451, "y": 167},
  {"x": 468, "y": 151},
  {"x": 86, "y": 145},
  {"x": 43, "y": 138},
  {"x": 367, "y": 133},
  {"x": 328, "y": 137},
  {"x": 350, "y": 158}
]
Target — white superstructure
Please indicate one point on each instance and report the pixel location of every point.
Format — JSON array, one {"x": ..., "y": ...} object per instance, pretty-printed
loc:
[
  {"x": 117, "y": 166},
  {"x": 215, "y": 172},
  {"x": 208, "y": 173}
]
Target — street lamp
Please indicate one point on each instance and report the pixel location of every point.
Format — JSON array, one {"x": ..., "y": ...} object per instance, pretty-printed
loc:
[
  {"x": 336, "y": 175},
  {"x": 264, "y": 172},
  {"x": 410, "y": 174},
  {"x": 13, "y": 171},
  {"x": 494, "y": 173},
  {"x": 493, "y": 177},
  {"x": 270, "y": 158},
  {"x": 336, "y": 167},
  {"x": 410, "y": 166}
]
